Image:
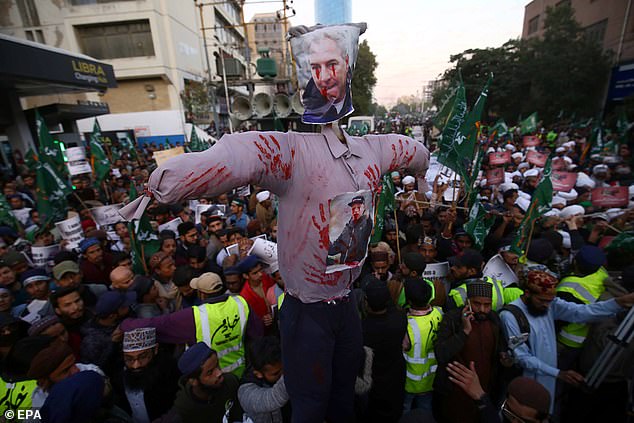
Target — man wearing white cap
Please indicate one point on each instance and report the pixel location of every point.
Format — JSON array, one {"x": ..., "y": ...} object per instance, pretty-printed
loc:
[
  {"x": 410, "y": 199},
  {"x": 264, "y": 210},
  {"x": 600, "y": 174},
  {"x": 147, "y": 386},
  {"x": 531, "y": 178}
]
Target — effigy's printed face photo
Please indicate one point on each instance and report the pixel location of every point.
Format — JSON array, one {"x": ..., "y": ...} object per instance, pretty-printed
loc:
[{"x": 325, "y": 60}]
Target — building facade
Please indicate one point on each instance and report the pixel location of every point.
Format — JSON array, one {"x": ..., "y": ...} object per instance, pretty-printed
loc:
[
  {"x": 609, "y": 22},
  {"x": 266, "y": 31},
  {"x": 329, "y": 12},
  {"x": 156, "y": 47}
]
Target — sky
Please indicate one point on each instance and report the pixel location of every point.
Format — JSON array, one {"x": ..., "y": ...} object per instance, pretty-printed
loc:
[{"x": 413, "y": 39}]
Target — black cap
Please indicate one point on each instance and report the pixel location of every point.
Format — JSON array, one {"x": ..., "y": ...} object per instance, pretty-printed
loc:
[
  {"x": 415, "y": 262},
  {"x": 418, "y": 292},
  {"x": 469, "y": 258},
  {"x": 357, "y": 200},
  {"x": 377, "y": 294},
  {"x": 185, "y": 227}
]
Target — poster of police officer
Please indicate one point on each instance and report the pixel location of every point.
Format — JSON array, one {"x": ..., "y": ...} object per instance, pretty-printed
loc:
[{"x": 351, "y": 223}]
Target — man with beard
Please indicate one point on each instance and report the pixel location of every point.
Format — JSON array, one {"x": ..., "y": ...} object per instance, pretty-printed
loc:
[
  {"x": 380, "y": 263},
  {"x": 147, "y": 385},
  {"x": 189, "y": 237},
  {"x": 215, "y": 223},
  {"x": 541, "y": 307},
  {"x": 471, "y": 334},
  {"x": 69, "y": 307},
  {"x": 352, "y": 242},
  {"x": 95, "y": 264},
  {"x": 205, "y": 391}
]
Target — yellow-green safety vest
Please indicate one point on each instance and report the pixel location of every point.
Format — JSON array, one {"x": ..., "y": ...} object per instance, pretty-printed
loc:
[
  {"x": 222, "y": 326},
  {"x": 501, "y": 295},
  {"x": 587, "y": 290},
  {"x": 420, "y": 360},
  {"x": 16, "y": 396}
]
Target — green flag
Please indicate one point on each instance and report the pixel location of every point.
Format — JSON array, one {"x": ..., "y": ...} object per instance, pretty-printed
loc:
[
  {"x": 499, "y": 130},
  {"x": 448, "y": 153},
  {"x": 384, "y": 207},
  {"x": 540, "y": 204},
  {"x": 30, "y": 159},
  {"x": 6, "y": 217},
  {"x": 128, "y": 146},
  {"x": 49, "y": 149},
  {"x": 459, "y": 152},
  {"x": 167, "y": 145},
  {"x": 529, "y": 125},
  {"x": 445, "y": 108},
  {"x": 100, "y": 163},
  {"x": 479, "y": 224},
  {"x": 51, "y": 193},
  {"x": 195, "y": 143},
  {"x": 596, "y": 138},
  {"x": 144, "y": 241}
]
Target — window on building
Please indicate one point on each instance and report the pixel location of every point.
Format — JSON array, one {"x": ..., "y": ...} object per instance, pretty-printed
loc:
[
  {"x": 596, "y": 32},
  {"x": 28, "y": 12},
  {"x": 116, "y": 40},
  {"x": 563, "y": 3},
  {"x": 533, "y": 25},
  {"x": 39, "y": 36},
  {"x": 87, "y": 2},
  {"x": 29, "y": 35}
]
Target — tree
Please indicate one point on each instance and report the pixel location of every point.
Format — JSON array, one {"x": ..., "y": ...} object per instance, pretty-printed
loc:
[
  {"x": 562, "y": 71},
  {"x": 363, "y": 80}
]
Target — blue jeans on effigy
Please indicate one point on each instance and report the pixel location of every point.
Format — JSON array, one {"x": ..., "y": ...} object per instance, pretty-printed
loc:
[
  {"x": 322, "y": 349},
  {"x": 415, "y": 401}
]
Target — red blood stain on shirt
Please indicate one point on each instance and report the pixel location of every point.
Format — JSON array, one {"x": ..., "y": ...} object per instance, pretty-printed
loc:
[
  {"x": 322, "y": 228},
  {"x": 374, "y": 177},
  {"x": 270, "y": 155},
  {"x": 401, "y": 157}
]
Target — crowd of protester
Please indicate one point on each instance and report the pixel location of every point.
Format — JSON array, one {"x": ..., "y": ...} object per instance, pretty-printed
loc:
[{"x": 86, "y": 338}]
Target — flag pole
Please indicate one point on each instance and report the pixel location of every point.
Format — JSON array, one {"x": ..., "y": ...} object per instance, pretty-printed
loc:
[{"x": 398, "y": 236}]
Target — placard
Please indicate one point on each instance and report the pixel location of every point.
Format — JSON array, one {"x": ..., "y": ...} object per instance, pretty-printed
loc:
[
  {"x": 563, "y": 181},
  {"x": 244, "y": 191},
  {"x": 43, "y": 256},
  {"x": 497, "y": 268},
  {"x": 22, "y": 215},
  {"x": 70, "y": 230},
  {"x": 264, "y": 250},
  {"x": 161, "y": 156},
  {"x": 106, "y": 215},
  {"x": 77, "y": 163},
  {"x": 536, "y": 158},
  {"x": 201, "y": 208},
  {"x": 436, "y": 270},
  {"x": 499, "y": 158},
  {"x": 530, "y": 141},
  {"x": 610, "y": 197},
  {"x": 172, "y": 225},
  {"x": 495, "y": 176}
]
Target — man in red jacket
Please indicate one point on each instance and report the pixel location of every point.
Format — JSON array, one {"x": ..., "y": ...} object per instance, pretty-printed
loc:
[{"x": 254, "y": 290}]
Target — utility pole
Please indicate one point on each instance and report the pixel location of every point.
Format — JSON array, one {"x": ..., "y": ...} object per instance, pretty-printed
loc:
[
  {"x": 247, "y": 51},
  {"x": 211, "y": 87}
]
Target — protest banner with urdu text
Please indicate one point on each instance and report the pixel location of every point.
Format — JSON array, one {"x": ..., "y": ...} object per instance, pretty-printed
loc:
[
  {"x": 161, "y": 156},
  {"x": 499, "y": 158},
  {"x": 536, "y": 158},
  {"x": 495, "y": 176},
  {"x": 563, "y": 181},
  {"x": 610, "y": 197}
]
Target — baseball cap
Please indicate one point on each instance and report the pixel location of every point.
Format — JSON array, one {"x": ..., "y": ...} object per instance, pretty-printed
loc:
[
  {"x": 67, "y": 266},
  {"x": 209, "y": 283},
  {"x": 110, "y": 301},
  {"x": 357, "y": 200},
  {"x": 33, "y": 275},
  {"x": 248, "y": 263},
  {"x": 469, "y": 258}
]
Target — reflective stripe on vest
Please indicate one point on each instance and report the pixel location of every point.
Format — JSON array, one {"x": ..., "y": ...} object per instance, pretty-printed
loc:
[
  {"x": 420, "y": 360},
  {"x": 213, "y": 322},
  {"x": 460, "y": 293},
  {"x": 580, "y": 289},
  {"x": 586, "y": 289}
]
